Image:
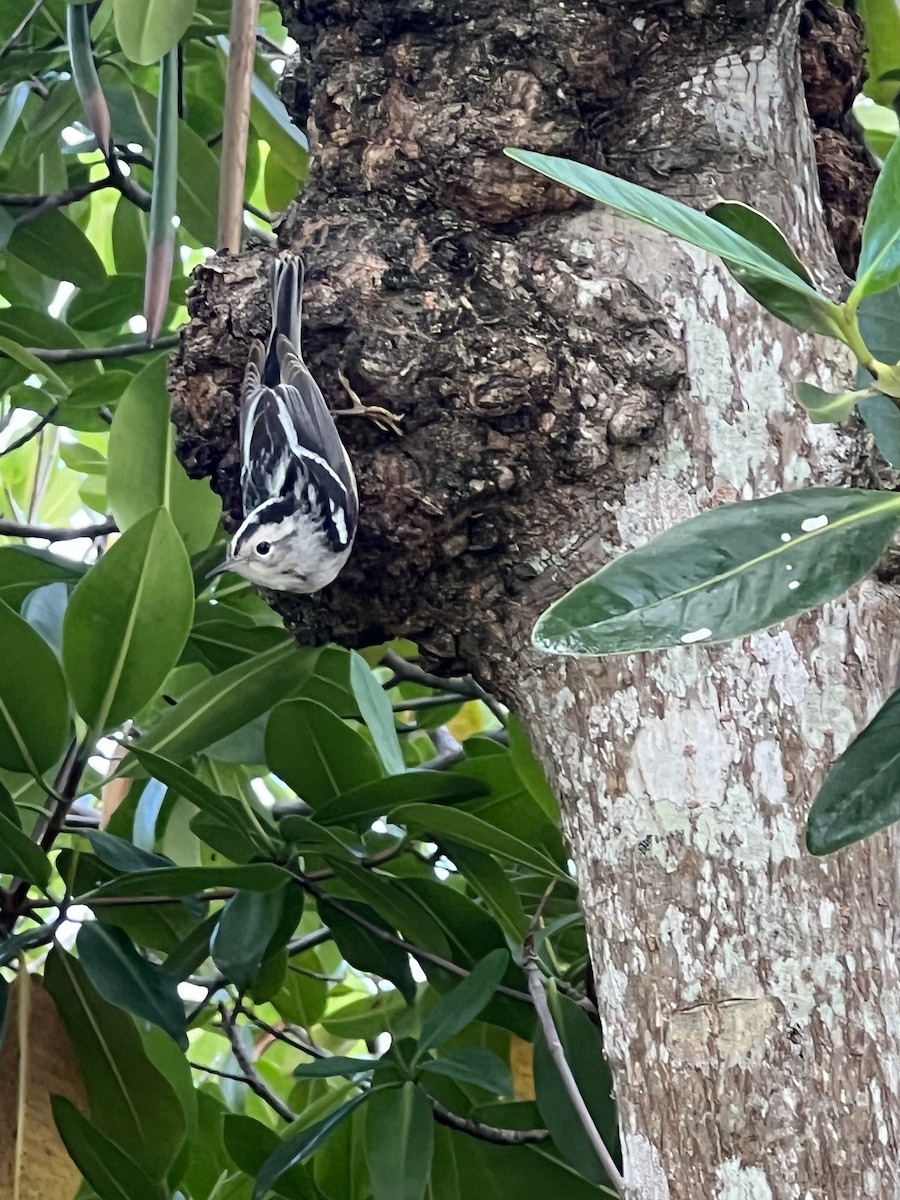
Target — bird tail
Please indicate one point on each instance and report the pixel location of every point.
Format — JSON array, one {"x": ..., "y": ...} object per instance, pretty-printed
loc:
[{"x": 286, "y": 277}]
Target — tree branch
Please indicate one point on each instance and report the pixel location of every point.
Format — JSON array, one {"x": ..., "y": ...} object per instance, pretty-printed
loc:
[
  {"x": 416, "y": 951},
  {"x": 251, "y": 1078},
  {"x": 486, "y": 1133},
  {"x": 16, "y": 529},
  {"x": 71, "y": 354},
  {"x": 30, "y": 433},
  {"x": 467, "y": 688},
  {"x": 558, "y": 1054}
]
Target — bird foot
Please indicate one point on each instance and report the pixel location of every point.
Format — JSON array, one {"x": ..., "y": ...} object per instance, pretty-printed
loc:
[{"x": 383, "y": 417}]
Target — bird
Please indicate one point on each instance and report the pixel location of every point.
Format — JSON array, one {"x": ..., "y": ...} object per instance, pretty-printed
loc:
[{"x": 298, "y": 489}]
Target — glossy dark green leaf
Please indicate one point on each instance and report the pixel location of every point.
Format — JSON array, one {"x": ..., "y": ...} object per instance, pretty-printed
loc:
[
  {"x": 827, "y": 408},
  {"x": 208, "y": 1161},
  {"x": 470, "y": 830},
  {"x": 316, "y": 753},
  {"x": 399, "y": 1142},
  {"x": 480, "y": 1068},
  {"x": 253, "y": 830},
  {"x": 530, "y": 770},
  {"x": 19, "y": 856},
  {"x": 122, "y": 855},
  {"x": 366, "y": 1018},
  {"x": 879, "y": 259},
  {"x": 583, "y": 1048},
  {"x": 34, "y": 707},
  {"x": 337, "y": 1064},
  {"x": 240, "y": 944},
  {"x": 189, "y": 881},
  {"x": 223, "y": 644},
  {"x": 670, "y": 216},
  {"x": 465, "y": 1167},
  {"x": 56, "y": 247},
  {"x": 250, "y": 1144},
  {"x": 23, "y": 569},
  {"x": 387, "y": 897},
  {"x": 363, "y": 948},
  {"x": 127, "y": 622},
  {"x": 119, "y": 301},
  {"x": 368, "y": 801},
  {"x": 130, "y": 1100},
  {"x": 862, "y": 791},
  {"x": 491, "y": 883},
  {"x": 295, "y": 1149},
  {"x": 375, "y": 709},
  {"x": 112, "y": 1173},
  {"x": 302, "y": 999},
  {"x": 217, "y": 707},
  {"x": 463, "y": 1003},
  {"x": 729, "y": 572},
  {"x": 44, "y": 609},
  {"x": 125, "y": 978},
  {"x": 797, "y": 309},
  {"x": 147, "y": 29}
]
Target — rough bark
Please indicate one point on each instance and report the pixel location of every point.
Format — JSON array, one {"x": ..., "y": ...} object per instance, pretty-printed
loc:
[{"x": 572, "y": 385}]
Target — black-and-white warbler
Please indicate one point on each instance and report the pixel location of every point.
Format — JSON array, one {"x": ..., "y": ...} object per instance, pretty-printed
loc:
[{"x": 300, "y": 501}]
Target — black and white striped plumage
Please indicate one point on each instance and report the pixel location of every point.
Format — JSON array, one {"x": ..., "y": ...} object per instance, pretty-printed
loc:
[{"x": 300, "y": 501}]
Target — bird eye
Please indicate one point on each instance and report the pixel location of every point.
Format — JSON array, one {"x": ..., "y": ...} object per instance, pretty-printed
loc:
[{"x": 263, "y": 547}]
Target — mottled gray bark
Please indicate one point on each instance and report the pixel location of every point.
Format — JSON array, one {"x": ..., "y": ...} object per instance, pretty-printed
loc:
[{"x": 573, "y": 384}]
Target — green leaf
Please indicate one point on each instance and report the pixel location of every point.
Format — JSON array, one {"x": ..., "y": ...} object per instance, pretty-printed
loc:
[
  {"x": 463, "y": 1003},
  {"x": 399, "y": 1142},
  {"x": 490, "y": 882},
  {"x": 249, "y": 1144},
  {"x": 126, "y": 979},
  {"x": 144, "y": 473},
  {"x": 799, "y": 310},
  {"x": 250, "y": 829},
  {"x": 670, "y": 216},
  {"x": 24, "y": 569},
  {"x": 375, "y": 710},
  {"x": 862, "y": 791},
  {"x": 368, "y": 801},
  {"x": 316, "y": 753},
  {"x": 217, "y": 707},
  {"x": 827, "y": 408},
  {"x": 20, "y": 856},
  {"x": 583, "y": 1048},
  {"x": 110, "y": 1172},
  {"x": 240, "y": 943},
  {"x": 122, "y": 855},
  {"x": 724, "y": 574},
  {"x": 879, "y": 259},
  {"x": 56, "y": 247},
  {"x": 148, "y": 29},
  {"x": 190, "y": 881},
  {"x": 480, "y": 1068},
  {"x": 128, "y": 621},
  {"x": 387, "y": 897},
  {"x": 32, "y": 364},
  {"x": 365, "y": 950},
  {"x": 300, "y": 1146},
  {"x": 337, "y": 1064},
  {"x": 130, "y": 1100},
  {"x": 34, "y": 707},
  {"x": 472, "y": 831}
]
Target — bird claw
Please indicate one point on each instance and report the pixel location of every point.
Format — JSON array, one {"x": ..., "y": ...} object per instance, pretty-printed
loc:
[{"x": 382, "y": 417}]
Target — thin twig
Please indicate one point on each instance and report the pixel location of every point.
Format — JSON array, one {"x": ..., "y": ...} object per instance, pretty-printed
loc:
[
  {"x": 251, "y": 1079},
  {"x": 558, "y": 1054},
  {"x": 30, "y": 433},
  {"x": 467, "y": 687},
  {"x": 73, "y": 354},
  {"x": 253, "y": 1082},
  {"x": 486, "y": 1133},
  {"x": 17, "y": 529},
  {"x": 416, "y": 951}
]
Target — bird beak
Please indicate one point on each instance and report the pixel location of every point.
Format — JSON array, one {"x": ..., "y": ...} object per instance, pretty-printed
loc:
[{"x": 227, "y": 565}]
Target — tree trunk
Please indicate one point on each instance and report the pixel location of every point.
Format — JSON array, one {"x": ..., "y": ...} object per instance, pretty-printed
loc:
[{"x": 572, "y": 385}]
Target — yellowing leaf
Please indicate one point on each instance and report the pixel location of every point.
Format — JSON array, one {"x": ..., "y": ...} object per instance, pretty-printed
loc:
[
  {"x": 36, "y": 1062},
  {"x": 521, "y": 1066}
]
